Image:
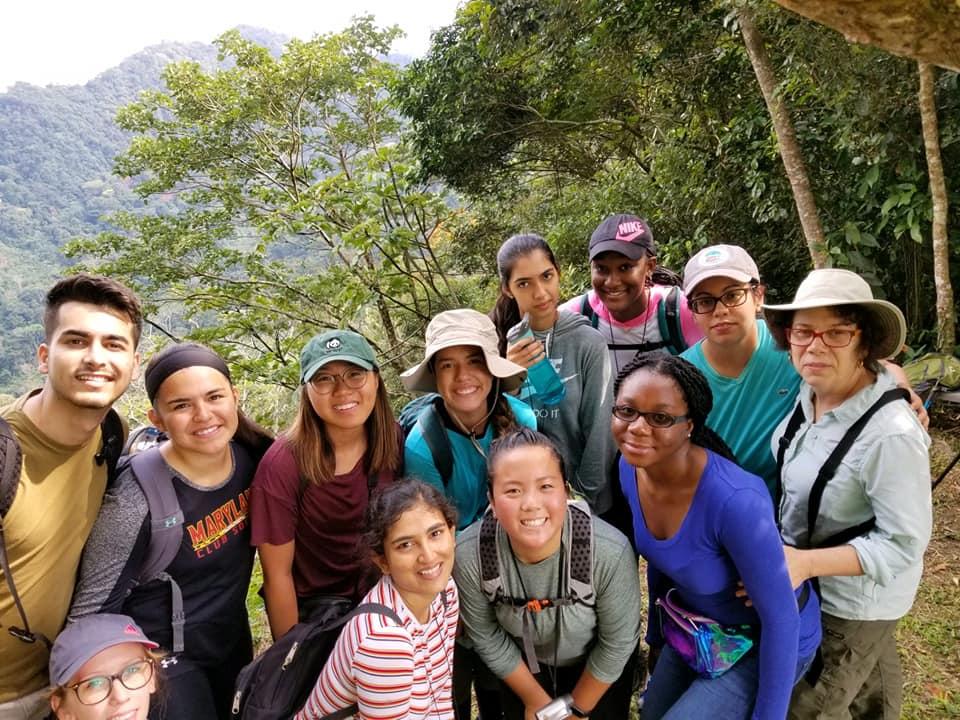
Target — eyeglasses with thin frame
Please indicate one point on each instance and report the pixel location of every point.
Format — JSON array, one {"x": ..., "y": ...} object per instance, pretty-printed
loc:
[
  {"x": 706, "y": 304},
  {"x": 96, "y": 689},
  {"x": 325, "y": 383},
  {"x": 832, "y": 337},
  {"x": 653, "y": 419}
]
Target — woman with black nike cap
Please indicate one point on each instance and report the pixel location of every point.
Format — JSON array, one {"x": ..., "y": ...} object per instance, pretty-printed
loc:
[{"x": 209, "y": 458}]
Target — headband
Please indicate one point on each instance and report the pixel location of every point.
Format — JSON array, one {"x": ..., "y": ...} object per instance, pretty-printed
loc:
[{"x": 177, "y": 357}]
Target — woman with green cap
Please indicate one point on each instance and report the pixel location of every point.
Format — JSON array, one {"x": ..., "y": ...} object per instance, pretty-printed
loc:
[{"x": 313, "y": 485}]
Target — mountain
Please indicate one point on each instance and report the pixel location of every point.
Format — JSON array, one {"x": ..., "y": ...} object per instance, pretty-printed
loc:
[{"x": 57, "y": 146}]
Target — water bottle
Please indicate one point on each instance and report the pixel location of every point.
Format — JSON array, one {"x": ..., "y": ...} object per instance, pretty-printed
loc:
[{"x": 542, "y": 375}]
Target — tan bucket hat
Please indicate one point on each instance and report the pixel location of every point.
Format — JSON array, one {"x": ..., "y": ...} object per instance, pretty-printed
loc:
[
  {"x": 832, "y": 286},
  {"x": 462, "y": 327}
]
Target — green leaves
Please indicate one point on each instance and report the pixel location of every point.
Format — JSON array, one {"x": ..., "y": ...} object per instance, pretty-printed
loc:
[{"x": 285, "y": 201}]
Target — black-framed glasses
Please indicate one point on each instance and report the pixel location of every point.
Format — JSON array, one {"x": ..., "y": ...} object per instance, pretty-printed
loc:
[
  {"x": 96, "y": 689},
  {"x": 832, "y": 338},
  {"x": 705, "y": 304},
  {"x": 653, "y": 419},
  {"x": 325, "y": 383}
]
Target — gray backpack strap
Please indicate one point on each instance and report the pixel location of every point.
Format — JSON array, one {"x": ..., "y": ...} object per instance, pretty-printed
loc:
[
  {"x": 491, "y": 582},
  {"x": 580, "y": 557},
  {"x": 166, "y": 530}
]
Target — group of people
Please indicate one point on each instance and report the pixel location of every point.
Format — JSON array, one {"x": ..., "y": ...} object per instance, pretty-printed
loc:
[{"x": 766, "y": 467}]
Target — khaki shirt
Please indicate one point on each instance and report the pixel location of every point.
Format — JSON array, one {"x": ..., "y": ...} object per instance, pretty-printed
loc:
[{"x": 57, "y": 501}]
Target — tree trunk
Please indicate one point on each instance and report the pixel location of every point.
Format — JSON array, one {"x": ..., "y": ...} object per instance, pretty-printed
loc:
[
  {"x": 946, "y": 329},
  {"x": 786, "y": 139}
]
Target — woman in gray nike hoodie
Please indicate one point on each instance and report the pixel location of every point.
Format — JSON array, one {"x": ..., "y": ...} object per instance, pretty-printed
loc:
[{"x": 580, "y": 423}]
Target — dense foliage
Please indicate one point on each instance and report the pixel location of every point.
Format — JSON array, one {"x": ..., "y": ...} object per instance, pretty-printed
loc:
[
  {"x": 300, "y": 204},
  {"x": 551, "y": 115},
  {"x": 284, "y": 192}
]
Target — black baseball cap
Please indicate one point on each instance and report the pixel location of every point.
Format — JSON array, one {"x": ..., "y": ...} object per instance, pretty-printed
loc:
[{"x": 625, "y": 234}]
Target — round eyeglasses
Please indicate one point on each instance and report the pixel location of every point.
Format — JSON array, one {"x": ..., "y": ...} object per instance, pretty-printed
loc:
[
  {"x": 705, "y": 304},
  {"x": 832, "y": 338},
  {"x": 96, "y": 689},
  {"x": 653, "y": 419},
  {"x": 325, "y": 383}
]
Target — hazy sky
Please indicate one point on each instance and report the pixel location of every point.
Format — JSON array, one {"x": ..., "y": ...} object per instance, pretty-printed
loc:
[{"x": 68, "y": 42}]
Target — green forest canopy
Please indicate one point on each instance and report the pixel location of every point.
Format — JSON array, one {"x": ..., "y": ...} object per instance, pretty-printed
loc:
[{"x": 326, "y": 186}]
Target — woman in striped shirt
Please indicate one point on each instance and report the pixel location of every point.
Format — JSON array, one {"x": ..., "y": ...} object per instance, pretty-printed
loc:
[{"x": 391, "y": 671}]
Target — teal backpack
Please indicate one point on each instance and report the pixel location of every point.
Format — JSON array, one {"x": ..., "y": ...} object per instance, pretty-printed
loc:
[{"x": 423, "y": 412}]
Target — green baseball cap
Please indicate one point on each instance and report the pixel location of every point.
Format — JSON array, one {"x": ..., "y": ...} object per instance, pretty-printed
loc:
[{"x": 334, "y": 345}]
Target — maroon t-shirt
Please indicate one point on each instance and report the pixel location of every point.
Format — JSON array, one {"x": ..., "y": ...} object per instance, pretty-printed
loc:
[{"x": 325, "y": 525}]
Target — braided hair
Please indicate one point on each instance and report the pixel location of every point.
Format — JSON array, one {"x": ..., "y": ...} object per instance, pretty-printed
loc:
[{"x": 694, "y": 387}]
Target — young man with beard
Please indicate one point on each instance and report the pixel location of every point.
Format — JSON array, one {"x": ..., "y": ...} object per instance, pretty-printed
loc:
[{"x": 89, "y": 354}]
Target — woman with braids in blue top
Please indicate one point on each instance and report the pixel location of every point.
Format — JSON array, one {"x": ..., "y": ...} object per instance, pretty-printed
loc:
[{"x": 703, "y": 523}]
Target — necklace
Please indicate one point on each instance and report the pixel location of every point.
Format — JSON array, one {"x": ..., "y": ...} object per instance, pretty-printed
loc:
[{"x": 643, "y": 335}]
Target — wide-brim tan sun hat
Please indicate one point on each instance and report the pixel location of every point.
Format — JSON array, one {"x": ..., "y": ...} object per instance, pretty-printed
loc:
[
  {"x": 462, "y": 327},
  {"x": 831, "y": 287}
]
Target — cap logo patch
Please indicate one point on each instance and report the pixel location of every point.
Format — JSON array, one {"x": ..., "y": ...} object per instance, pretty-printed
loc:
[
  {"x": 713, "y": 257},
  {"x": 630, "y": 231},
  {"x": 130, "y": 630},
  {"x": 332, "y": 344}
]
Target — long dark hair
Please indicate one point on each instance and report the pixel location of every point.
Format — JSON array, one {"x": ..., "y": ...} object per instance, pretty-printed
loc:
[
  {"x": 506, "y": 312},
  {"x": 390, "y": 502},
  {"x": 694, "y": 387},
  {"x": 314, "y": 452}
]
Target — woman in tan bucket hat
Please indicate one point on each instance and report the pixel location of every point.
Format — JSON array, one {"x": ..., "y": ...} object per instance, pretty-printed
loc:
[
  {"x": 857, "y": 520},
  {"x": 449, "y": 435},
  {"x": 467, "y": 380}
]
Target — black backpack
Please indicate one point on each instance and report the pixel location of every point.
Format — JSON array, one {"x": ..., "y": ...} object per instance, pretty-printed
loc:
[
  {"x": 277, "y": 684},
  {"x": 11, "y": 462},
  {"x": 423, "y": 411}
]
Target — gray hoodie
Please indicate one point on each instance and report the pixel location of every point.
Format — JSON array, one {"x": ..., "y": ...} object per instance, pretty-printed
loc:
[{"x": 580, "y": 424}]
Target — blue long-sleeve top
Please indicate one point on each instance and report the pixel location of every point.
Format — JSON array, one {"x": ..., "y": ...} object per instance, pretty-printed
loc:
[{"x": 729, "y": 533}]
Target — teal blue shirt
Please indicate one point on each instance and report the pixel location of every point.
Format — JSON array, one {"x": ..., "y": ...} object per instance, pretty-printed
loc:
[
  {"x": 468, "y": 485},
  {"x": 748, "y": 408}
]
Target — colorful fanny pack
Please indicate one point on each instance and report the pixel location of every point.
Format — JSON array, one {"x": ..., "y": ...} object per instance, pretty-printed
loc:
[{"x": 705, "y": 645}]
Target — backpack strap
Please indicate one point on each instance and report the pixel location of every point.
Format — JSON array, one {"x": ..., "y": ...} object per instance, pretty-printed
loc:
[
  {"x": 586, "y": 309},
  {"x": 111, "y": 444},
  {"x": 796, "y": 420},
  {"x": 491, "y": 582},
  {"x": 579, "y": 568},
  {"x": 829, "y": 469},
  {"x": 668, "y": 319},
  {"x": 11, "y": 463},
  {"x": 166, "y": 530},
  {"x": 361, "y": 609},
  {"x": 435, "y": 436}
]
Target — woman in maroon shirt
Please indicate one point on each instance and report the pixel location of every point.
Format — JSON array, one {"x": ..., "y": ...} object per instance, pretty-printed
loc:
[{"x": 313, "y": 486}]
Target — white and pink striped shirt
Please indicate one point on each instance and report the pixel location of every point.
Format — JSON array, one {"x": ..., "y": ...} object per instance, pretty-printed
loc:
[{"x": 391, "y": 672}]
